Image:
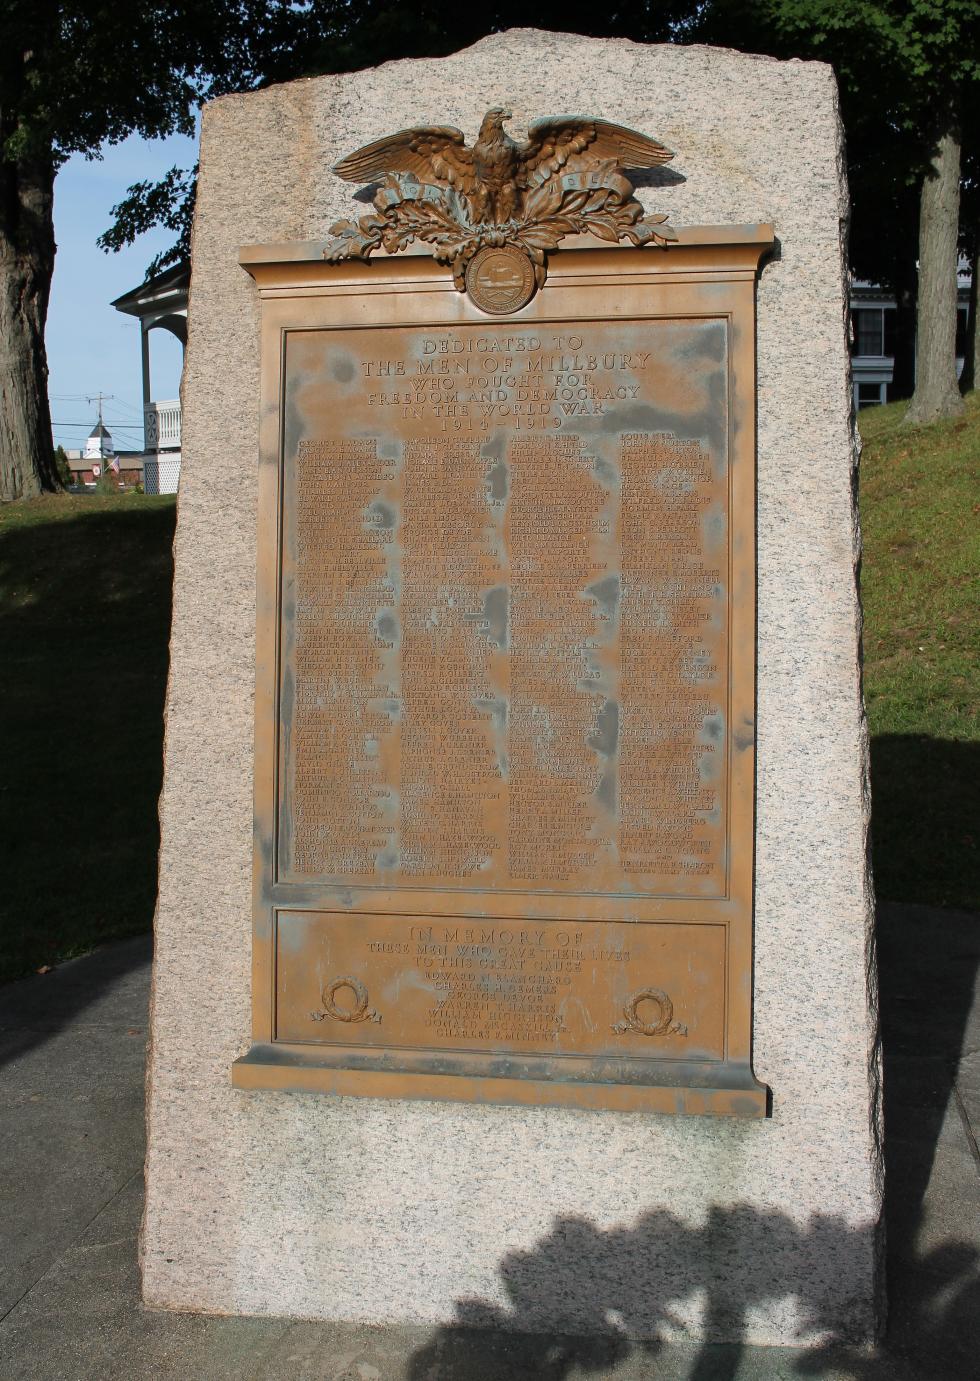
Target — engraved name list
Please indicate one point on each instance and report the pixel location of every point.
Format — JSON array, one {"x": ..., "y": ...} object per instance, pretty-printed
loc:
[{"x": 505, "y": 617}]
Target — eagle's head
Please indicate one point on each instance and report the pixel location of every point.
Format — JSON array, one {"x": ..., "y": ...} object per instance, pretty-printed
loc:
[{"x": 493, "y": 121}]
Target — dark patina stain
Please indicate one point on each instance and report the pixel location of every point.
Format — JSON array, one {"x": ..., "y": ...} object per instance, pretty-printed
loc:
[
  {"x": 342, "y": 368},
  {"x": 386, "y": 627},
  {"x": 497, "y": 709},
  {"x": 703, "y": 342},
  {"x": 606, "y": 593},
  {"x": 605, "y": 792},
  {"x": 709, "y": 425},
  {"x": 605, "y": 736},
  {"x": 495, "y": 617},
  {"x": 498, "y": 478},
  {"x": 744, "y": 738},
  {"x": 495, "y": 446},
  {"x": 382, "y": 515},
  {"x": 606, "y": 473},
  {"x": 714, "y": 727}
]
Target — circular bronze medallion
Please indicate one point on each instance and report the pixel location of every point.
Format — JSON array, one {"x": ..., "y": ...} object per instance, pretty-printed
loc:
[{"x": 500, "y": 280}]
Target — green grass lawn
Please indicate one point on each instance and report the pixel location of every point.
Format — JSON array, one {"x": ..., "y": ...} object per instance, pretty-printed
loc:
[
  {"x": 920, "y": 583},
  {"x": 85, "y": 587},
  {"x": 84, "y": 623}
]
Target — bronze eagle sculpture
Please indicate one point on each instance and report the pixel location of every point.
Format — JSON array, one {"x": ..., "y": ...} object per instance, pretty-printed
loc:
[
  {"x": 495, "y": 174},
  {"x": 495, "y": 211}
]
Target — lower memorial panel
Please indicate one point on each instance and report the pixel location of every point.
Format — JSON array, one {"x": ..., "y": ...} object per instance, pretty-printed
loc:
[{"x": 578, "y": 992}]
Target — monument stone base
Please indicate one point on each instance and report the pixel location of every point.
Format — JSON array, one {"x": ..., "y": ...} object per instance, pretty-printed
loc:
[{"x": 539, "y": 1218}]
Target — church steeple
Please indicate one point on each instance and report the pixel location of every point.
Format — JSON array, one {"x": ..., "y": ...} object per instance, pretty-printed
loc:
[{"x": 99, "y": 443}]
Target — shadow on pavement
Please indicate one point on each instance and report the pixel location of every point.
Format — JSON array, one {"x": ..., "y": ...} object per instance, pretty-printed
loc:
[
  {"x": 614, "y": 1284},
  {"x": 85, "y": 594},
  {"x": 925, "y": 819},
  {"x": 36, "y": 1008}
]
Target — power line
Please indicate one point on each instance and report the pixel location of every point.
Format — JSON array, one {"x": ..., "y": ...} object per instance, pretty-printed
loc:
[
  {"x": 87, "y": 398},
  {"x": 100, "y": 398}
]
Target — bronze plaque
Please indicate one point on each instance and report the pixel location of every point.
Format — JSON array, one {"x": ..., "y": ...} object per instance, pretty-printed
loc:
[
  {"x": 504, "y": 732},
  {"x": 527, "y": 989}
]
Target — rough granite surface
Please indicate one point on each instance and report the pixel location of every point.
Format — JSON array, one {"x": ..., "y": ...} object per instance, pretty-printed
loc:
[{"x": 358, "y": 1209}]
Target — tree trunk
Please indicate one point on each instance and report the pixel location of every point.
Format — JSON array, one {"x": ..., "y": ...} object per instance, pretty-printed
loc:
[
  {"x": 937, "y": 390},
  {"x": 27, "y": 464},
  {"x": 968, "y": 379}
]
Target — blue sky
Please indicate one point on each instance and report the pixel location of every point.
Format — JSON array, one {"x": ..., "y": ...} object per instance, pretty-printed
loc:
[{"x": 91, "y": 347}]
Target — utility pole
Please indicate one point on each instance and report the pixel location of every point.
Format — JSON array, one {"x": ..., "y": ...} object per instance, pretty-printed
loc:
[{"x": 101, "y": 398}]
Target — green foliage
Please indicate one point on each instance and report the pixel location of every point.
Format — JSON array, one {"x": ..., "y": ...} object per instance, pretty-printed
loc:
[
  {"x": 287, "y": 40},
  {"x": 76, "y": 76},
  {"x": 64, "y": 469},
  {"x": 900, "y": 62},
  {"x": 168, "y": 202},
  {"x": 375, "y": 31},
  {"x": 911, "y": 52},
  {"x": 905, "y": 67}
]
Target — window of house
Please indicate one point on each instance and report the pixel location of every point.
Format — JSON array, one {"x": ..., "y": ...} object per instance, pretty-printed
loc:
[
  {"x": 868, "y": 330},
  {"x": 869, "y": 394},
  {"x": 890, "y": 318}
]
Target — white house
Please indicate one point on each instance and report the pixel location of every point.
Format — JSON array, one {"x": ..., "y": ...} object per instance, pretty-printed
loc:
[
  {"x": 159, "y": 304},
  {"x": 873, "y": 312}
]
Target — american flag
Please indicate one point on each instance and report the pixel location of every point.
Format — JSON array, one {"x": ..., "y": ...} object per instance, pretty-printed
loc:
[{"x": 114, "y": 464}]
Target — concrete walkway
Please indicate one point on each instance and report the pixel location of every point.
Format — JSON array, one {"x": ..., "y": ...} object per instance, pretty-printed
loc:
[{"x": 71, "y": 1141}]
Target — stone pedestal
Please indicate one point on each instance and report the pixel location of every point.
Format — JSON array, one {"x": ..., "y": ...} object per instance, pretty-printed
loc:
[{"x": 320, "y": 1206}]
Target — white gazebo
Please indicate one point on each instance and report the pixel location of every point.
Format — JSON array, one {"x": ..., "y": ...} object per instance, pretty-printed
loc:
[{"x": 159, "y": 303}]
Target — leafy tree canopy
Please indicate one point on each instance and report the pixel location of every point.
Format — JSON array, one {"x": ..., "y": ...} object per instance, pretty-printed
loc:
[
  {"x": 899, "y": 61},
  {"x": 75, "y": 76},
  {"x": 340, "y": 37}
]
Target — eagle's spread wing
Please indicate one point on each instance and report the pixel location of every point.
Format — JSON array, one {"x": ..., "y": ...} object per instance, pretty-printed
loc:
[
  {"x": 435, "y": 153},
  {"x": 551, "y": 142}
]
